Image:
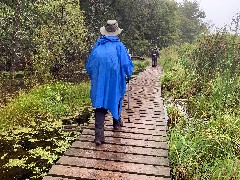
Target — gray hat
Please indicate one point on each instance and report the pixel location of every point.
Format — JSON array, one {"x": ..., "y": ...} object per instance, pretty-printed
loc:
[{"x": 111, "y": 29}]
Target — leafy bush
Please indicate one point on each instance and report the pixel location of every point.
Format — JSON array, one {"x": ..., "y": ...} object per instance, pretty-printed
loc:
[
  {"x": 140, "y": 65},
  {"x": 39, "y": 36},
  {"x": 217, "y": 54}
]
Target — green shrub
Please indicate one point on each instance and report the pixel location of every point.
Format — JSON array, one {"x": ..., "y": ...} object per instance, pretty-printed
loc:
[
  {"x": 38, "y": 36},
  {"x": 140, "y": 65}
]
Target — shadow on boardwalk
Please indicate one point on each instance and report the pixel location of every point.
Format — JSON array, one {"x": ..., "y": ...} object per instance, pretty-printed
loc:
[{"x": 139, "y": 150}]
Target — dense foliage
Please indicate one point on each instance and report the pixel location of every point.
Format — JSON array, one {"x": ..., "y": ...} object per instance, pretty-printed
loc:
[
  {"x": 147, "y": 23},
  {"x": 202, "y": 82},
  {"x": 39, "y": 36},
  {"x": 190, "y": 21}
]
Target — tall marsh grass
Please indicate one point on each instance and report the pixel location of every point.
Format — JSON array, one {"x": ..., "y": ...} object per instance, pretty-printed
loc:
[{"x": 206, "y": 76}]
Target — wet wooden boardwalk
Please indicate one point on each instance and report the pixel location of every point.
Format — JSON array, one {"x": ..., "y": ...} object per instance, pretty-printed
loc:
[{"x": 139, "y": 150}]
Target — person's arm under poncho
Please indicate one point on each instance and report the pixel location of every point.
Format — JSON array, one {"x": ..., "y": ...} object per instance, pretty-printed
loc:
[
  {"x": 88, "y": 64},
  {"x": 126, "y": 62}
]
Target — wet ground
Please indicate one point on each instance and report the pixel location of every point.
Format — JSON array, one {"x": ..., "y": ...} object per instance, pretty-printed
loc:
[{"x": 138, "y": 150}]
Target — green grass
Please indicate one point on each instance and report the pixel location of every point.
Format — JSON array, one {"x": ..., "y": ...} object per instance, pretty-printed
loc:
[
  {"x": 206, "y": 150},
  {"x": 50, "y": 101},
  {"x": 206, "y": 145}
]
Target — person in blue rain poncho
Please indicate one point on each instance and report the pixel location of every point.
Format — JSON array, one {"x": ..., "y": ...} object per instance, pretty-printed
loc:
[{"x": 108, "y": 66}]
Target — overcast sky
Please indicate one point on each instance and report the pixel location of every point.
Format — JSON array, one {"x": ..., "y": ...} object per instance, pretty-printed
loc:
[{"x": 219, "y": 12}]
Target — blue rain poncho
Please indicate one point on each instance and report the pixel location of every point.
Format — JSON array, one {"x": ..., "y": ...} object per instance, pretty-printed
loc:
[{"x": 108, "y": 65}]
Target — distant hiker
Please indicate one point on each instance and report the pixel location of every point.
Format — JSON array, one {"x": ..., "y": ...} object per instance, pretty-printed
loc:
[
  {"x": 108, "y": 65},
  {"x": 155, "y": 55}
]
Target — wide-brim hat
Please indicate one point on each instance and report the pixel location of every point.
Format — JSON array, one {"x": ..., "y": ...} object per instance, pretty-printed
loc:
[{"x": 111, "y": 29}]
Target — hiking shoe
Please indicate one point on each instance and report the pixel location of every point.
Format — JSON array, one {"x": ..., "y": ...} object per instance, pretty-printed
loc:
[
  {"x": 121, "y": 123},
  {"x": 98, "y": 143},
  {"x": 117, "y": 124}
]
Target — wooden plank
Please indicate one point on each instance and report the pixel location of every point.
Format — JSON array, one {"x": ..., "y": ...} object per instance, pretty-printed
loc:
[
  {"x": 122, "y": 167},
  {"x": 133, "y": 130},
  {"x": 56, "y": 178},
  {"x": 122, "y": 149},
  {"x": 147, "y": 124},
  {"x": 84, "y": 173},
  {"x": 127, "y": 142},
  {"x": 128, "y": 135},
  {"x": 118, "y": 157}
]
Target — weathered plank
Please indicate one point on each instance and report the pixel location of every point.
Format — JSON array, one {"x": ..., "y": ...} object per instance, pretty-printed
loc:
[
  {"x": 118, "y": 157},
  {"x": 122, "y": 148},
  {"x": 119, "y": 166},
  {"x": 72, "y": 172}
]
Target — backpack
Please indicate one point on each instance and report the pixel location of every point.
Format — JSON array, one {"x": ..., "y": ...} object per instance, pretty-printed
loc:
[{"x": 155, "y": 52}]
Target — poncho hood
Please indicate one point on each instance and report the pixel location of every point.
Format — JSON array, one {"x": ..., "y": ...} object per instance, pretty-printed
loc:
[{"x": 105, "y": 39}]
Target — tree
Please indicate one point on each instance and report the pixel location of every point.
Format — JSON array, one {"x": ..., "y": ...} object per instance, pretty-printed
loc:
[
  {"x": 190, "y": 21},
  {"x": 40, "y": 34},
  {"x": 145, "y": 22},
  {"x": 61, "y": 36},
  {"x": 16, "y": 34}
]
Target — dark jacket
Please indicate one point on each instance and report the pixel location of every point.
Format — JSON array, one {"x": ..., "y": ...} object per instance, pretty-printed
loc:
[{"x": 155, "y": 53}]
